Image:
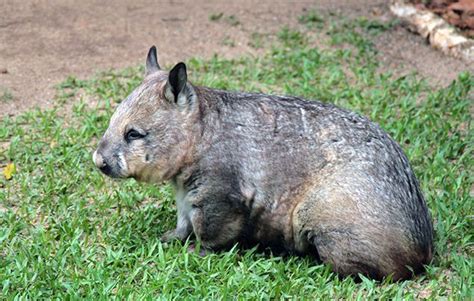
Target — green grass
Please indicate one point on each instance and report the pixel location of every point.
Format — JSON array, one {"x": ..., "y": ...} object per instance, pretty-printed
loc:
[
  {"x": 5, "y": 95},
  {"x": 231, "y": 20},
  {"x": 216, "y": 16},
  {"x": 228, "y": 41},
  {"x": 67, "y": 232},
  {"x": 312, "y": 19}
]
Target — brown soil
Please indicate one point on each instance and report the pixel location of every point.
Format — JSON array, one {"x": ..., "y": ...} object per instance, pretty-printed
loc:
[{"x": 42, "y": 42}]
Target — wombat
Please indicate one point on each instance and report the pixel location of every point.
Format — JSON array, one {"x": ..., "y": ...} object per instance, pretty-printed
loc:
[{"x": 284, "y": 173}]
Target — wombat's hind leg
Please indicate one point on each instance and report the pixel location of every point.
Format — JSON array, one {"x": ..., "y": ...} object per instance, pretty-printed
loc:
[{"x": 345, "y": 254}]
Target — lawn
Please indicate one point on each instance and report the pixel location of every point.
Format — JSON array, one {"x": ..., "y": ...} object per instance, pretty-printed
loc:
[{"x": 67, "y": 232}]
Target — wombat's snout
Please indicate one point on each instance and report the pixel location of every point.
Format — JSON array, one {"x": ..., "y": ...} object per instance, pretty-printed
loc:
[{"x": 101, "y": 163}]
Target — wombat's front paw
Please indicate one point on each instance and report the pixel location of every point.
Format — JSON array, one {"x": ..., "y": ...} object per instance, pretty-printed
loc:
[
  {"x": 202, "y": 251},
  {"x": 170, "y": 236},
  {"x": 176, "y": 234}
]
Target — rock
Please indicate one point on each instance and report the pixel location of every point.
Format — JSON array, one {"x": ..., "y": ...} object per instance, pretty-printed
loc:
[{"x": 432, "y": 27}]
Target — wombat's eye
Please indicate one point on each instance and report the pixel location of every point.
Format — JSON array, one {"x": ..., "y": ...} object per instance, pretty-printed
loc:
[{"x": 133, "y": 135}]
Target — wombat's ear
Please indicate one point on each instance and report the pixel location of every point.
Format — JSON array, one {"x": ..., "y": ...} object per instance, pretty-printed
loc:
[
  {"x": 177, "y": 90},
  {"x": 152, "y": 61}
]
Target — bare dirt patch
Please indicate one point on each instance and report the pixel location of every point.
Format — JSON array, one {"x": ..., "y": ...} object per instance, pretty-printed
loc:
[{"x": 42, "y": 42}]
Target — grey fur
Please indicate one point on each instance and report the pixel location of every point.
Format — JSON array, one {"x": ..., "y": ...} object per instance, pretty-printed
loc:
[
  {"x": 151, "y": 64},
  {"x": 294, "y": 175}
]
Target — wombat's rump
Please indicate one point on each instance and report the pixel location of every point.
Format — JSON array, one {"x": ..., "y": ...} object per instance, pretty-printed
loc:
[{"x": 294, "y": 175}]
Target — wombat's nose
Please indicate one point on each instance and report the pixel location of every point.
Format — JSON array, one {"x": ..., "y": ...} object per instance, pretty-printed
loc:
[
  {"x": 98, "y": 160},
  {"x": 101, "y": 164}
]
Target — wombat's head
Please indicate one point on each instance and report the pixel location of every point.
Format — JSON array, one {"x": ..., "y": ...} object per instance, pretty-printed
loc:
[{"x": 150, "y": 134}]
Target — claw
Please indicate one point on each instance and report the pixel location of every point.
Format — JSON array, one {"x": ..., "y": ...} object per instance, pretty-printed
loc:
[{"x": 202, "y": 251}]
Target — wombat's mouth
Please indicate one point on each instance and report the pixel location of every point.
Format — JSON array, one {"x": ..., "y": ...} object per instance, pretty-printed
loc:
[
  {"x": 112, "y": 172},
  {"x": 114, "y": 175}
]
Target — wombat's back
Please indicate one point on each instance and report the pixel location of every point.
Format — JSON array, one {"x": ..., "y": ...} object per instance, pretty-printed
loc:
[{"x": 349, "y": 186}]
